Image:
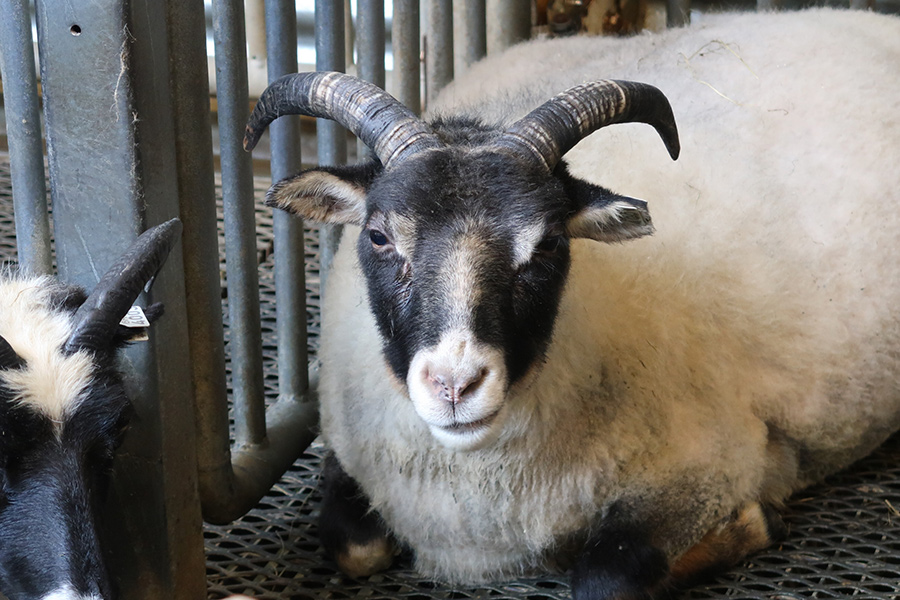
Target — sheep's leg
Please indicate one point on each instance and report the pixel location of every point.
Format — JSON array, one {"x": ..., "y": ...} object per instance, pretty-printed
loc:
[
  {"x": 620, "y": 561},
  {"x": 752, "y": 528},
  {"x": 352, "y": 534}
]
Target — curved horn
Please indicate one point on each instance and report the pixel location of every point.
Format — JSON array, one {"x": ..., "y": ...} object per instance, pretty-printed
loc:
[
  {"x": 552, "y": 129},
  {"x": 97, "y": 319},
  {"x": 390, "y": 129},
  {"x": 9, "y": 359}
]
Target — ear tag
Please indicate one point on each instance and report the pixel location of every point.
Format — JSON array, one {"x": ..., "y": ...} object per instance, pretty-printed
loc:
[{"x": 136, "y": 319}]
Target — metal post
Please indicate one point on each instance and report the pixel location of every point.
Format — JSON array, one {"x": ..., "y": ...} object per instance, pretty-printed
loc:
[
  {"x": 508, "y": 23},
  {"x": 290, "y": 276},
  {"x": 438, "y": 48},
  {"x": 233, "y": 480},
  {"x": 113, "y": 174},
  {"x": 678, "y": 12},
  {"x": 23, "y": 132},
  {"x": 370, "y": 51},
  {"x": 196, "y": 185},
  {"x": 407, "y": 59},
  {"x": 331, "y": 137},
  {"x": 240, "y": 223},
  {"x": 469, "y": 33}
]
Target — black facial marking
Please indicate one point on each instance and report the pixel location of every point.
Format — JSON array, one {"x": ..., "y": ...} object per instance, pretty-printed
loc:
[
  {"x": 487, "y": 197},
  {"x": 54, "y": 481}
]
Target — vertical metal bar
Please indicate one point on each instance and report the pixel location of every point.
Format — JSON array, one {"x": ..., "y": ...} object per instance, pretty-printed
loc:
[
  {"x": 23, "y": 132},
  {"x": 290, "y": 277},
  {"x": 196, "y": 188},
  {"x": 407, "y": 54},
  {"x": 240, "y": 223},
  {"x": 678, "y": 12},
  {"x": 331, "y": 137},
  {"x": 168, "y": 366},
  {"x": 233, "y": 480},
  {"x": 439, "y": 48},
  {"x": 508, "y": 23},
  {"x": 469, "y": 33},
  {"x": 370, "y": 49},
  {"x": 113, "y": 174}
]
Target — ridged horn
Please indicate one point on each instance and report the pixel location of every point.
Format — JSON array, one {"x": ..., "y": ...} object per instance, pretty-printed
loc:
[
  {"x": 9, "y": 359},
  {"x": 552, "y": 129},
  {"x": 98, "y": 318},
  {"x": 391, "y": 130}
]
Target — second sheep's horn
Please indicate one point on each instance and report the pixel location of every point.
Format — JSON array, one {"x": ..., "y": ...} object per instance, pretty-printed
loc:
[{"x": 98, "y": 318}]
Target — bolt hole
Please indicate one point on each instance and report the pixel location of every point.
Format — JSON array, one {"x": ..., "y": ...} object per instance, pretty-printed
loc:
[{"x": 75, "y": 30}]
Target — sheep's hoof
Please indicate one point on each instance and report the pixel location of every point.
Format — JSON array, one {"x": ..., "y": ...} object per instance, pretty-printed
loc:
[
  {"x": 750, "y": 529},
  {"x": 361, "y": 560}
]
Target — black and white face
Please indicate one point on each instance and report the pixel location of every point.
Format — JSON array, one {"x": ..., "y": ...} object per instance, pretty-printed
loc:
[
  {"x": 465, "y": 250},
  {"x": 464, "y": 280},
  {"x": 61, "y": 419}
]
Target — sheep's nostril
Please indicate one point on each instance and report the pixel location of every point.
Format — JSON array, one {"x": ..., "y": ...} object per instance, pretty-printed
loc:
[
  {"x": 473, "y": 384},
  {"x": 454, "y": 390}
]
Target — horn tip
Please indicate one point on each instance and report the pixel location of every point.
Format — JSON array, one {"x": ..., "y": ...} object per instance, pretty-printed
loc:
[
  {"x": 674, "y": 150},
  {"x": 250, "y": 139}
]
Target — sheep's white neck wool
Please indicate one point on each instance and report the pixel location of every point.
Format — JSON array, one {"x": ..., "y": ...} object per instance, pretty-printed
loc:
[{"x": 51, "y": 382}]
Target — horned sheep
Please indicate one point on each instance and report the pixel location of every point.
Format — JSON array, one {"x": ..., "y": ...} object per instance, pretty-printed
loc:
[
  {"x": 503, "y": 394},
  {"x": 63, "y": 413}
]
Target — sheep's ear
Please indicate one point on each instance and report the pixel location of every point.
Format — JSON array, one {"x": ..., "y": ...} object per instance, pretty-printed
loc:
[
  {"x": 601, "y": 215},
  {"x": 326, "y": 194}
]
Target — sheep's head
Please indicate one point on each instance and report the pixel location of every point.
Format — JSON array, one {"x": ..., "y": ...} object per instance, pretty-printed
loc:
[
  {"x": 63, "y": 413},
  {"x": 465, "y": 231}
]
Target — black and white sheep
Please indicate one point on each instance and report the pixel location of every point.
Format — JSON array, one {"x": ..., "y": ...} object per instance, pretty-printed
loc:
[
  {"x": 63, "y": 413},
  {"x": 503, "y": 394}
]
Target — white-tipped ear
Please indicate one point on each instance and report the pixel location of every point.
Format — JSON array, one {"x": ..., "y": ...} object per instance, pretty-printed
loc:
[
  {"x": 320, "y": 196},
  {"x": 616, "y": 220}
]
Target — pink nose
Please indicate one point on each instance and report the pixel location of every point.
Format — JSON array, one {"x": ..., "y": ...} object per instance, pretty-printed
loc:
[{"x": 455, "y": 388}]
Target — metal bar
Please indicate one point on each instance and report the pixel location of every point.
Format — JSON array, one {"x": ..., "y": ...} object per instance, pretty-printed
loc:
[
  {"x": 196, "y": 185},
  {"x": 407, "y": 54},
  {"x": 113, "y": 174},
  {"x": 23, "y": 132},
  {"x": 290, "y": 275},
  {"x": 240, "y": 223},
  {"x": 439, "y": 48},
  {"x": 469, "y": 33},
  {"x": 508, "y": 23},
  {"x": 331, "y": 137},
  {"x": 370, "y": 45},
  {"x": 678, "y": 12},
  {"x": 232, "y": 482}
]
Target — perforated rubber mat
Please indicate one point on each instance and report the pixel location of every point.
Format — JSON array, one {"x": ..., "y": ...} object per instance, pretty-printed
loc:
[{"x": 843, "y": 540}]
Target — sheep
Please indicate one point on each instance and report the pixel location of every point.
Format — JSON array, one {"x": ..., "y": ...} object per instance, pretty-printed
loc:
[
  {"x": 517, "y": 376},
  {"x": 63, "y": 413}
]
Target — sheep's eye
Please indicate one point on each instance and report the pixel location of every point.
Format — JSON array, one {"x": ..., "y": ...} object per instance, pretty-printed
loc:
[
  {"x": 378, "y": 238},
  {"x": 550, "y": 244}
]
